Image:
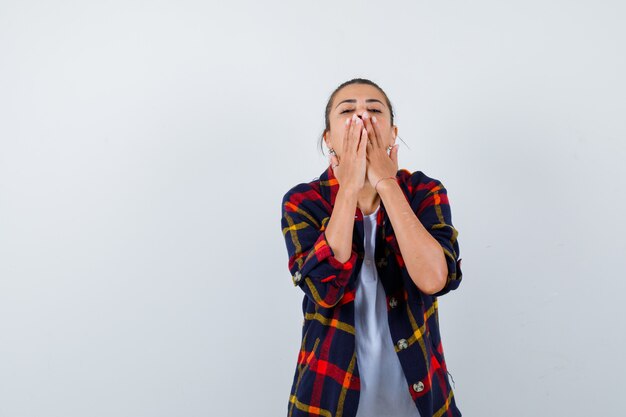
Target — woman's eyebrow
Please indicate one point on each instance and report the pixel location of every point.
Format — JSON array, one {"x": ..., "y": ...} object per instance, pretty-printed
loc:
[{"x": 353, "y": 100}]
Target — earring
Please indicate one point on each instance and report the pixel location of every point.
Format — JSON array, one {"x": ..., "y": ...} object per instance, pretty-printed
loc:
[{"x": 331, "y": 151}]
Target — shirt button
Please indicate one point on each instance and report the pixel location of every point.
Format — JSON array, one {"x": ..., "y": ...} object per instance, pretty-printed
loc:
[
  {"x": 418, "y": 386},
  {"x": 393, "y": 302},
  {"x": 402, "y": 344}
]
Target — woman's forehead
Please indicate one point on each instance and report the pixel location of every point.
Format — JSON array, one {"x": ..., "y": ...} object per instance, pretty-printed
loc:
[
  {"x": 354, "y": 95},
  {"x": 360, "y": 92}
]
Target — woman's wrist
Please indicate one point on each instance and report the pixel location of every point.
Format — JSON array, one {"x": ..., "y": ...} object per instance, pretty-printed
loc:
[{"x": 385, "y": 178}]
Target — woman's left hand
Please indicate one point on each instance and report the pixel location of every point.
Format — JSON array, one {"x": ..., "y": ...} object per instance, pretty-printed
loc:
[{"x": 379, "y": 163}]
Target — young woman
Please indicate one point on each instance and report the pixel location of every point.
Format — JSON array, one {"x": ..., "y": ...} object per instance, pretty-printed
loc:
[{"x": 372, "y": 247}]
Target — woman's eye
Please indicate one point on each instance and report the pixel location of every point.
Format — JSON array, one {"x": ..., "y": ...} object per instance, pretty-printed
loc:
[{"x": 349, "y": 110}]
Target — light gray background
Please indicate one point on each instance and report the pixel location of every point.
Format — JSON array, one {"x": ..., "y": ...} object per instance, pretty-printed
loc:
[{"x": 146, "y": 146}]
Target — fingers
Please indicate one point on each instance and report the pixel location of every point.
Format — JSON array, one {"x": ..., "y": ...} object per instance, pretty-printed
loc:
[
  {"x": 352, "y": 134},
  {"x": 362, "y": 153},
  {"x": 379, "y": 134},
  {"x": 372, "y": 134},
  {"x": 363, "y": 141},
  {"x": 346, "y": 135},
  {"x": 356, "y": 133}
]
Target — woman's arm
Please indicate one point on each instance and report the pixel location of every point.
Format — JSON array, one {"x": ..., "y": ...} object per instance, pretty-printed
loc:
[
  {"x": 312, "y": 263},
  {"x": 341, "y": 224},
  {"x": 423, "y": 255}
]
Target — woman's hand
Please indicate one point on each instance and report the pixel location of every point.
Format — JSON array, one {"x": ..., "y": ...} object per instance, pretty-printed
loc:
[
  {"x": 351, "y": 169},
  {"x": 379, "y": 163}
]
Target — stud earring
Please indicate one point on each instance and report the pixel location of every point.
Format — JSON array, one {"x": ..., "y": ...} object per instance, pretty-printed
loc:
[{"x": 331, "y": 151}]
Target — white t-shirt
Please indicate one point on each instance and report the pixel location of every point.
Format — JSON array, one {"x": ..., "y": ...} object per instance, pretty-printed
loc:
[{"x": 384, "y": 388}]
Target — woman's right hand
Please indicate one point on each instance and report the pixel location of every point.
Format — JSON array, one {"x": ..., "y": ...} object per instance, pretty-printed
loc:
[{"x": 352, "y": 168}]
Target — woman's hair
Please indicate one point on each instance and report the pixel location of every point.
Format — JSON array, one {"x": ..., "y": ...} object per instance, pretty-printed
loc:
[{"x": 332, "y": 98}]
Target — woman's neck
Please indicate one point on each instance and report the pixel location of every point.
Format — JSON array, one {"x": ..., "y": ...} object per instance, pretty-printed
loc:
[{"x": 368, "y": 199}]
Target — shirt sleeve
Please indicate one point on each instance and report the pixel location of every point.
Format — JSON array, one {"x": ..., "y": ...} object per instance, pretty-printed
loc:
[
  {"x": 312, "y": 262},
  {"x": 432, "y": 207}
]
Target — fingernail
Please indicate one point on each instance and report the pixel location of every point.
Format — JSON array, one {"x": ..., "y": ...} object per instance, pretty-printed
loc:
[
  {"x": 354, "y": 117},
  {"x": 374, "y": 119},
  {"x": 365, "y": 114},
  {"x": 347, "y": 121}
]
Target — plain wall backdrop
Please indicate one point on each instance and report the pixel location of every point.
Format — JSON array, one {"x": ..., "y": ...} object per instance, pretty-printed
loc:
[{"x": 145, "y": 148}]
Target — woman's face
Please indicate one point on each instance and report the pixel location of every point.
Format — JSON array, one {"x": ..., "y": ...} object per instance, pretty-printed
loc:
[{"x": 358, "y": 98}]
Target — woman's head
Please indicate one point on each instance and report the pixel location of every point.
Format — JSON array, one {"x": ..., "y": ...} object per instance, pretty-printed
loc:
[{"x": 356, "y": 96}]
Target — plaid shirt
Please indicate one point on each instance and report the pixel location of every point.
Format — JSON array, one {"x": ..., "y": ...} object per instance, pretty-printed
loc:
[{"x": 326, "y": 380}]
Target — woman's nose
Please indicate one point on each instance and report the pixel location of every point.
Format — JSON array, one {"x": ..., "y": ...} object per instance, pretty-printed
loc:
[{"x": 359, "y": 112}]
